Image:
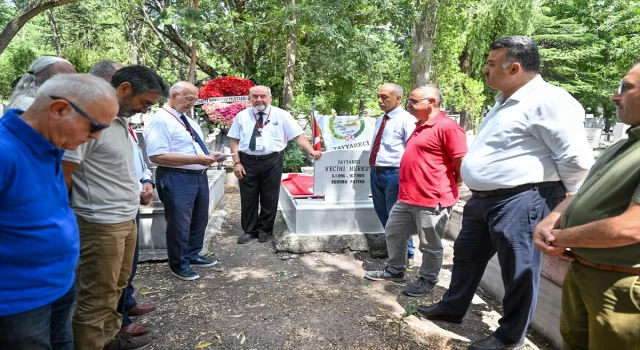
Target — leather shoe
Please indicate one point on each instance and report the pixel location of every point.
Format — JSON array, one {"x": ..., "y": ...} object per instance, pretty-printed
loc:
[
  {"x": 493, "y": 343},
  {"x": 264, "y": 237},
  {"x": 434, "y": 312},
  {"x": 134, "y": 330},
  {"x": 141, "y": 309},
  {"x": 245, "y": 238}
]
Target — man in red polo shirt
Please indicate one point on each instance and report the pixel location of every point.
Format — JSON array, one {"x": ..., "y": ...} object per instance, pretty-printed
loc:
[{"x": 429, "y": 180}]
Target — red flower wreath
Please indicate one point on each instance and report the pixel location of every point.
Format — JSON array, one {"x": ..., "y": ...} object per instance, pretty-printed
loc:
[{"x": 226, "y": 86}]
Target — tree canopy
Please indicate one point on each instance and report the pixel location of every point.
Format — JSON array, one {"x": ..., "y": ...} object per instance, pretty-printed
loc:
[{"x": 335, "y": 54}]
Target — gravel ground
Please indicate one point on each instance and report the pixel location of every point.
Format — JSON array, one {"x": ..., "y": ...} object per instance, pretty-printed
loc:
[{"x": 257, "y": 299}]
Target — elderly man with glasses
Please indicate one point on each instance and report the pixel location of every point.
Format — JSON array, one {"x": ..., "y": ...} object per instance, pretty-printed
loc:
[
  {"x": 105, "y": 196},
  {"x": 174, "y": 142},
  {"x": 429, "y": 180},
  {"x": 38, "y": 230}
]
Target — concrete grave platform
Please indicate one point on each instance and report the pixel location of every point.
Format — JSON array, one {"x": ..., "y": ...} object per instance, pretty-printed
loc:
[{"x": 152, "y": 236}]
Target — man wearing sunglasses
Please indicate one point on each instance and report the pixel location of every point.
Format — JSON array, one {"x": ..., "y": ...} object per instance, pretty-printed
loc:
[
  {"x": 601, "y": 226},
  {"x": 38, "y": 230},
  {"x": 105, "y": 196},
  {"x": 530, "y": 151},
  {"x": 429, "y": 180}
]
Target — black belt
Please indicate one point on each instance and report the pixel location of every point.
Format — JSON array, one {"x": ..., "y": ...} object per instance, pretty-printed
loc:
[
  {"x": 260, "y": 157},
  {"x": 383, "y": 168},
  {"x": 513, "y": 190},
  {"x": 183, "y": 171}
]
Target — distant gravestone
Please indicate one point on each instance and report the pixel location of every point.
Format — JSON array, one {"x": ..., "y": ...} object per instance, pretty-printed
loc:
[
  {"x": 619, "y": 131},
  {"x": 593, "y": 130},
  {"x": 342, "y": 176}
]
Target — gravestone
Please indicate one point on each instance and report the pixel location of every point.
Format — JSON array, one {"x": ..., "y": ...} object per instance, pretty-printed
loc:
[
  {"x": 342, "y": 176},
  {"x": 593, "y": 130},
  {"x": 620, "y": 131}
]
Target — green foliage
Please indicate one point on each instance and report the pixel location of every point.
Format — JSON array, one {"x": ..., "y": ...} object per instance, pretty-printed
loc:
[{"x": 293, "y": 158}]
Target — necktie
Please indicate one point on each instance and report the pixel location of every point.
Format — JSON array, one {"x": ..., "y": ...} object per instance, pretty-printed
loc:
[
  {"x": 194, "y": 134},
  {"x": 377, "y": 141},
  {"x": 256, "y": 133}
]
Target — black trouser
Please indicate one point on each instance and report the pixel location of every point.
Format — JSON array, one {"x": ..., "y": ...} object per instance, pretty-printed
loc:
[{"x": 260, "y": 183}]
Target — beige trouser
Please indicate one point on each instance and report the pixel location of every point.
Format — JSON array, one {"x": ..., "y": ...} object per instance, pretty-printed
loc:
[
  {"x": 106, "y": 258},
  {"x": 600, "y": 309}
]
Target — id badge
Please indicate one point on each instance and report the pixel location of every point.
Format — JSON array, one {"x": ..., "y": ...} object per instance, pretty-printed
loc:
[
  {"x": 260, "y": 143},
  {"x": 198, "y": 149}
]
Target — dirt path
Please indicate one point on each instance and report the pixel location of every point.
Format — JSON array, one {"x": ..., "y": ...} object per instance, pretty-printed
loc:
[{"x": 256, "y": 299}]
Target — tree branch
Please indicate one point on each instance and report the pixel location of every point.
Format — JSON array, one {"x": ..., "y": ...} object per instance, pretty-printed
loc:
[{"x": 34, "y": 8}]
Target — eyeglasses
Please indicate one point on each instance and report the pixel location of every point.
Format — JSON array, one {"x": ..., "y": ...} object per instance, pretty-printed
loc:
[
  {"x": 189, "y": 99},
  {"x": 624, "y": 87},
  {"x": 411, "y": 101},
  {"x": 95, "y": 125}
]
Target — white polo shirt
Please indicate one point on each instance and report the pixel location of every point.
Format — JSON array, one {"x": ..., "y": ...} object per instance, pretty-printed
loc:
[
  {"x": 166, "y": 134},
  {"x": 279, "y": 128},
  {"x": 399, "y": 128},
  {"x": 536, "y": 135}
]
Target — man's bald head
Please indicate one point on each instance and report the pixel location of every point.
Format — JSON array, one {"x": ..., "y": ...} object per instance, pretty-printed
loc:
[
  {"x": 40, "y": 70},
  {"x": 424, "y": 102},
  {"x": 64, "y": 105},
  {"x": 389, "y": 96},
  {"x": 183, "y": 96}
]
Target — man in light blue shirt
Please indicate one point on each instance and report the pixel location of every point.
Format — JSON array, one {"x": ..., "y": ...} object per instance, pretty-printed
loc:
[{"x": 392, "y": 131}]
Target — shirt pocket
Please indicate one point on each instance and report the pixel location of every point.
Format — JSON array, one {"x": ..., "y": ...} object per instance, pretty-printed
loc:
[{"x": 392, "y": 139}]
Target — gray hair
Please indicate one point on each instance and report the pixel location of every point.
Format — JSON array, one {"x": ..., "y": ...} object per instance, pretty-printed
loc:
[
  {"x": 521, "y": 49},
  {"x": 177, "y": 87},
  {"x": 104, "y": 69},
  {"x": 397, "y": 89},
  {"x": 261, "y": 86},
  {"x": 38, "y": 73},
  {"x": 431, "y": 89},
  {"x": 82, "y": 89}
]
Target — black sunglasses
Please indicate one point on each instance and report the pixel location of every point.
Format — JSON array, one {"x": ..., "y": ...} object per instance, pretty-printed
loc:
[{"x": 95, "y": 125}]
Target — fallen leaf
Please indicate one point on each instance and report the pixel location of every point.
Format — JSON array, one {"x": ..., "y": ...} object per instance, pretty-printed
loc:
[
  {"x": 381, "y": 309},
  {"x": 244, "y": 339},
  {"x": 235, "y": 316},
  {"x": 203, "y": 345},
  {"x": 410, "y": 270},
  {"x": 219, "y": 339},
  {"x": 144, "y": 292}
]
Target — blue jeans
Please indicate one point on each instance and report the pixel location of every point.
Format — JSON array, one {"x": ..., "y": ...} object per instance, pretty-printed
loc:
[
  {"x": 45, "y": 328},
  {"x": 127, "y": 302},
  {"x": 384, "y": 192},
  {"x": 186, "y": 209},
  {"x": 502, "y": 225}
]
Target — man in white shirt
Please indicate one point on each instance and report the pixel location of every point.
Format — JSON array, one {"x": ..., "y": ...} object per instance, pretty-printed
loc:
[
  {"x": 258, "y": 135},
  {"x": 174, "y": 142},
  {"x": 392, "y": 131},
  {"x": 530, "y": 152},
  {"x": 127, "y": 304}
]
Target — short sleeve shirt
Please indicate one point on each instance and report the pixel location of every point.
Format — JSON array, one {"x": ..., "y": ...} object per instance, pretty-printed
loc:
[
  {"x": 279, "y": 127},
  {"x": 612, "y": 184},
  {"x": 427, "y": 169},
  {"x": 167, "y": 134}
]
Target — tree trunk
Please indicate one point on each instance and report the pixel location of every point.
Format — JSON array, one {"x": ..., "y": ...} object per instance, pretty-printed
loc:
[
  {"x": 194, "y": 57},
  {"x": 423, "y": 34},
  {"x": 54, "y": 32},
  {"x": 33, "y": 8},
  {"x": 290, "y": 63},
  {"x": 134, "y": 29}
]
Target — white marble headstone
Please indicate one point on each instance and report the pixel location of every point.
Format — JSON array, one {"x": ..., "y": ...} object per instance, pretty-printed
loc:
[{"x": 342, "y": 176}]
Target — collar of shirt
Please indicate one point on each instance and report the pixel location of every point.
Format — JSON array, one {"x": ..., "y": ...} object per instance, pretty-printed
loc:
[
  {"x": 634, "y": 132},
  {"x": 255, "y": 111},
  {"x": 395, "y": 112},
  {"x": 25, "y": 132},
  {"x": 432, "y": 121},
  {"x": 171, "y": 110},
  {"x": 522, "y": 92}
]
